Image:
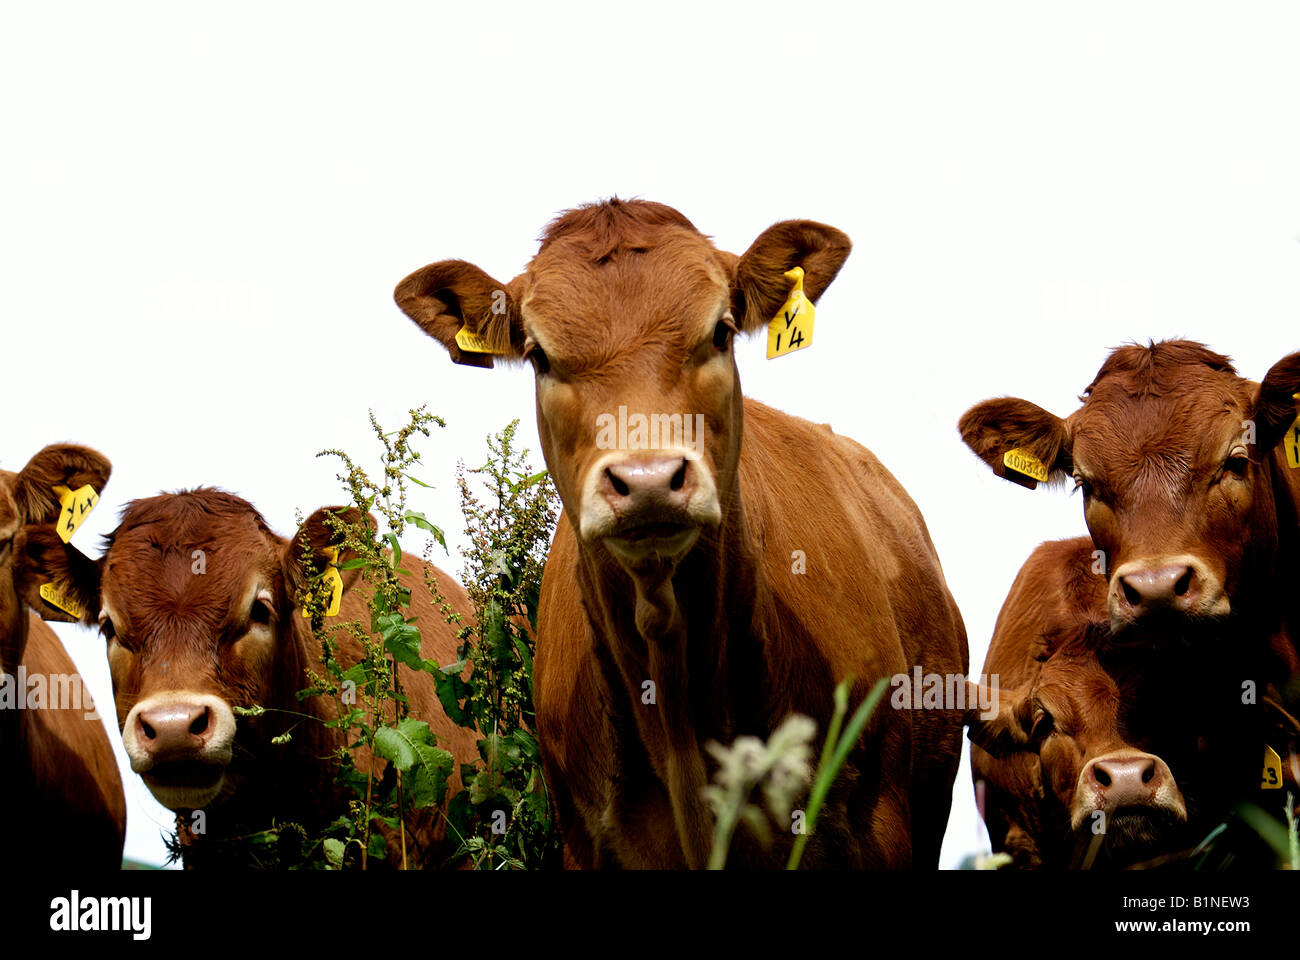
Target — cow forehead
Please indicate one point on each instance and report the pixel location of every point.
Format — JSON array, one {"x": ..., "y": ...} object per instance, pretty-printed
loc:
[
  {"x": 1180, "y": 424},
  {"x": 669, "y": 292},
  {"x": 174, "y": 566},
  {"x": 8, "y": 508}
]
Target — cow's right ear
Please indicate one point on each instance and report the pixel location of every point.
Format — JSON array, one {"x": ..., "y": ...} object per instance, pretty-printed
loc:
[
  {"x": 1000, "y": 430},
  {"x": 60, "y": 464},
  {"x": 998, "y": 719},
  {"x": 1276, "y": 406},
  {"x": 317, "y": 534},
  {"x": 760, "y": 283},
  {"x": 45, "y": 559},
  {"x": 450, "y": 295}
]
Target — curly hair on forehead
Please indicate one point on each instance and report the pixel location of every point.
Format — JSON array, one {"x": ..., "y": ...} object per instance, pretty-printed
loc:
[
  {"x": 602, "y": 230},
  {"x": 183, "y": 515},
  {"x": 1159, "y": 366}
]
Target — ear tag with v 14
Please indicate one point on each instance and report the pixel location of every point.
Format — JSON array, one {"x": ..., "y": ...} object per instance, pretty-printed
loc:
[{"x": 792, "y": 327}]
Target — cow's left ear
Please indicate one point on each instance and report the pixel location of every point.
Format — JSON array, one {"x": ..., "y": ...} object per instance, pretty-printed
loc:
[
  {"x": 1275, "y": 405},
  {"x": 325, "y": 528},
  {"x": 760, "y": 283},
  {"x": 58, "y": 465}
]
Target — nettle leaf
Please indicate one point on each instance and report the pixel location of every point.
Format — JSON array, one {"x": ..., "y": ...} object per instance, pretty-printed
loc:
[
  {"x": 353, "y": 564},
  {"x": 410, "y": 748},
  {"x": 401, "y": 639},
  {"x": 378, "y": 847},
  {"x": 452, "y": 690}
]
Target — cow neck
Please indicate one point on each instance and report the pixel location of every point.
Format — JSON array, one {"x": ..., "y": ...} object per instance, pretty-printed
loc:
[{"x": 677, "y": 633}]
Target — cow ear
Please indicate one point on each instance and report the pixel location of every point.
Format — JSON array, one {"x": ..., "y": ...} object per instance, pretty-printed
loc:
[
  {"x": 449, "y": 295},
  {"x": 327, "y": 527},
  {"x": 1275, "y": 404},
  {"x": 61, "y": 464},
  {"x": 1006, "y": 426},
  {"x": 997, "y": 718},
  {"x": 760, "y": 284},
  {"x": 45, "y": 559}
]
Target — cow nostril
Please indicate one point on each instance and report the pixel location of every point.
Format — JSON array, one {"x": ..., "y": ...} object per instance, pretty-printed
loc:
[
  {"x": 1131, "y": 595},
  {"x": 149, "y": 732},
  {"x": 1149, "y": 773},
  {"x": 200, "y": 723},
  {"x": 1101, "y": 776},
  {"x": 679, "y": 478},
  {"x": 619, "y": 486},
  {"x": 1184, "y": 583}
]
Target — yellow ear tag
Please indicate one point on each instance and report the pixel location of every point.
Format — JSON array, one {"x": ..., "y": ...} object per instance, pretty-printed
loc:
[
  {"x": 56, "y": 598},
  {"x": 334, "y": 579},
  {"x": 792, "y": 327},
  {"x": 77, "y": 504},
  {"x": 1024, "y": 468},
  {"x": 474, "y": 343},
  {"x": 1292, "y": 441},
  {"x": 1272, "y": 778}
]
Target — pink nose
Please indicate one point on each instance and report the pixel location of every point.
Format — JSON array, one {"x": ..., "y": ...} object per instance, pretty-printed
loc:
[
  {"x": 648, "y": 483},
  {"x": 1174, "y": 587},
  {"x": 174, "y": 730},
  {"x": 1131, "y": 780}
]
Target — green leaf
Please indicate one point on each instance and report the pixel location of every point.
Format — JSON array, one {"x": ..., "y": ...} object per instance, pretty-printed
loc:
[
  {"x": 418, "y": 482},
  {"x": 391, "y": 538},
  {"x": 401, "y": 639},
  {"x": 354, "y": 563},
  {"x": 333, "y": 852},
  {"x": 409, "y": 747}
]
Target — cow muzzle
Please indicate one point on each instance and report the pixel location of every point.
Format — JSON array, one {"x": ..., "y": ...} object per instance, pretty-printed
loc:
[
  {"x": 1178, "y": 586},
  {"x": 649, "y": 506},
  {"x": 180, "y": 743},
  {"x": 1126, "y": 785}
]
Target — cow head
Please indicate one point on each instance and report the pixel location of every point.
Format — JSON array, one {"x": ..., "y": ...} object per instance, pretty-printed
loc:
[
  {"x": 1094, "y": 777},
  {"x": 627, "y": 315},
  {"x": 195, "y": 597},
  {"x": 1174, "y": 455},
  {"x": 28, "y": 497}
]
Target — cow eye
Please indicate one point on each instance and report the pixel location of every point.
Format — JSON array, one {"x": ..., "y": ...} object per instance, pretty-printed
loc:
[
  {"x": 541, "y": 363},
  {"x": 260, "y": 612},
  {"x": 1237, "y": 464},
  {"x": 1083, "y": 486},
  {"x": 722, "y": 334},
  {"x": 1044, "y": 724},
  {"x": 107, "y": 629}
]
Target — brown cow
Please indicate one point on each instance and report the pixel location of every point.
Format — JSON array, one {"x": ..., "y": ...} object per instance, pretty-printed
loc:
[
  {"x": 195, "y": 596},
  {"x": 1187, "y": 493},
  {"x": 702, "y": 587},
  {"x": 56, "y": 762},
  {"x": 1076, "y": 764}
]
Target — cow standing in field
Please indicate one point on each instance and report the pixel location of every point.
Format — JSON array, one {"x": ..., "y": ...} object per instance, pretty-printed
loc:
[
  {"x": 61, "y": 801},
  {"x": 195, "y": 596},
  {"x": 690, "y": 595}
]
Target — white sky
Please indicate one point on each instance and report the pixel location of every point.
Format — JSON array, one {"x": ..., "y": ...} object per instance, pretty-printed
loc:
[{"x": 206, "y": 208}]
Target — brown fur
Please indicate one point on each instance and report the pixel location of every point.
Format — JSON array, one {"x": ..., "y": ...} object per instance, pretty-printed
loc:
[
  {"x": 626, "y": 299},
  {"x": 1050, "y": 652},
  {"x": 1151, "y": 444},
  {"x": 178, "y": 630},
  {"x": 56, "y": 765}
]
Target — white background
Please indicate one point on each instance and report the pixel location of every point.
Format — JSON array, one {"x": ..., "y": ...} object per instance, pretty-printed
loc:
[{"x": 206, "y": 208}]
